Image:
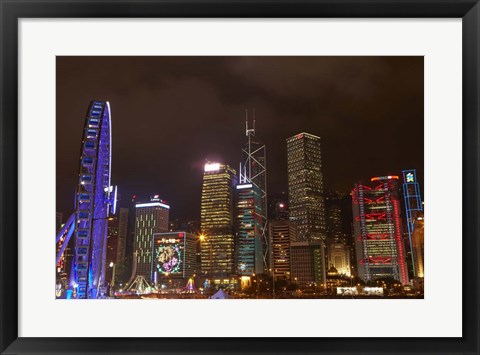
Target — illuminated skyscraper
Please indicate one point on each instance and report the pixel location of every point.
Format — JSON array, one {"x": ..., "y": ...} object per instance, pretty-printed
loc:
[
  {"x": 413, "y": 209},
  {"x": 216, "y": 220},
  {"x": 150, "y": 217},
  {"x": 253, "y": 170},
  {"x": 305, "y": 187},
  {"x": 377, "y": 222},
  {"x": 281, "y": 233},
  {"x": 249, "y": 248}
]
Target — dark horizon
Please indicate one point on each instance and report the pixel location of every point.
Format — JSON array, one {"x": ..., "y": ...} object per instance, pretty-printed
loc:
[{"x": 170, "y": 114}]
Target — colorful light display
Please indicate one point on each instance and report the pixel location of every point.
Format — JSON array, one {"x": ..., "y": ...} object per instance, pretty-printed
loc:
[
  {"x": 190, "y": 288},
  {"x": 168, "y": 258}
]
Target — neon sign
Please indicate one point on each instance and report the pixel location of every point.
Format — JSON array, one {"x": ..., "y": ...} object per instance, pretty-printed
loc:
[
  {"x": 168, "y": 258},
  {"x": 409, "y": 177}
]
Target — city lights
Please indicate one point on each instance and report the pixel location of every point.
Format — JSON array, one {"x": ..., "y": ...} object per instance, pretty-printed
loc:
[{"x": 197, "y": 218}]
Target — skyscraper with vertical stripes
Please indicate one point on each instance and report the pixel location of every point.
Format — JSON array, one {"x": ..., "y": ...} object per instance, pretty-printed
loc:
[{"x": 151, "y": 216}]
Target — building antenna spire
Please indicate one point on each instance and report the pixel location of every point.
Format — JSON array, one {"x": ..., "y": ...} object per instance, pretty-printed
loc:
[
  {"x": 249, "y": 130},
  {"x": 246, "y": 121},
  {"x": 254, "y": 120}
]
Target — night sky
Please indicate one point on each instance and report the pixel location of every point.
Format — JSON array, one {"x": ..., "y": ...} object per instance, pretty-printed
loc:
[{"x": 170, "y": 114}]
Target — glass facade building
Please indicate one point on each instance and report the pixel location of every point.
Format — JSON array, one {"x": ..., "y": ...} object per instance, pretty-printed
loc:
[
  {"x": 216, "y": 220},
  {"x": 305, "y": 187},
  {"x": 379, "y": 244},
  {"x": 249, "y": 229},
  {"x": 253, "y": 170}
]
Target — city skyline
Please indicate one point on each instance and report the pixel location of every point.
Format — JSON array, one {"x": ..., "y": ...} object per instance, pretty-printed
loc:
[
  {"x": 170, "y": 161},
  {"x": 227, "y": 252}
]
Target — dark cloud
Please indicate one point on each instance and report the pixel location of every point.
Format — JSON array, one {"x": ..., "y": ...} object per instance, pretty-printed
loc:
[{"x": 171, "y": 113}]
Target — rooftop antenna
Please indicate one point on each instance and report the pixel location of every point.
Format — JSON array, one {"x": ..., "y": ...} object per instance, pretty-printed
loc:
[
  {"x": 254, "y": 120},
  {"x": 247, "y": 130},
  {"x": 246, "y": 121}
]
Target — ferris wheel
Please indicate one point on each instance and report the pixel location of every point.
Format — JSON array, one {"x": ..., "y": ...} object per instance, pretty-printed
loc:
[{"x": 95, "y": 200}]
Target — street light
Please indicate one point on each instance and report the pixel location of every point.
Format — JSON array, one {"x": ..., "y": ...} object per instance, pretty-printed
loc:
[
  {"x": 112, "y": 283},
  {"x": 258, "y": 285},
  {"x": 273, "y": 281}
]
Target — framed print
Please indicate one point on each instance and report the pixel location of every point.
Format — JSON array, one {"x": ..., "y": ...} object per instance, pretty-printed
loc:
[{"x": 239, "y": 177}]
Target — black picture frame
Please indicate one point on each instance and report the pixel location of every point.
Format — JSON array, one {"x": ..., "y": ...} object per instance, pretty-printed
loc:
[{"x": 12, "y": 11}]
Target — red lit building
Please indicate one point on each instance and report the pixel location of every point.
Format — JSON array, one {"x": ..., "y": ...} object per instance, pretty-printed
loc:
[{"x": 379, "y": 244}]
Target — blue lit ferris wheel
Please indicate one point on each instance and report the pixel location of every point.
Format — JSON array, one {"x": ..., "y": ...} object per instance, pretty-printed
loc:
[{"x": 95, "y": 200}]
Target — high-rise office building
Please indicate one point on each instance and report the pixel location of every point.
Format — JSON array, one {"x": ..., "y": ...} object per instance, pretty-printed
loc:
[
  {"x": 249, "y": 229},
  {"x": 253, "y": 170},
  {"x": 151, "y": 216},
  {"x": 337, "y": 242},
  {"x": 174, "y": 257},
  {"x": 413, "y": 209},
  {"x": 308, "y": 265},
  {"x": 216, "y": 220},
  {"x": 334, "y": 218},
  {"x": 379, "y": 244},
  {"x": 305, "y": 187},
  {"x": 122, "y": 240},
  {"x": 281, "y": 233}
]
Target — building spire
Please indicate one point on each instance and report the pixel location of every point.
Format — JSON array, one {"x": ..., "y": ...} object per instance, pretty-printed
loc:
[
  {"x": 249, "y": 130},
  {"x": 254, "y": 120},
  {"x": 246, "y": 121}
]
